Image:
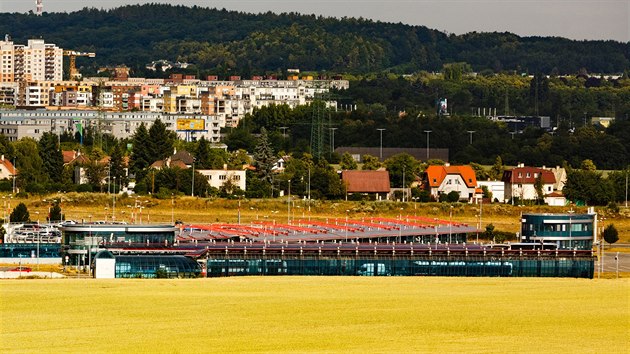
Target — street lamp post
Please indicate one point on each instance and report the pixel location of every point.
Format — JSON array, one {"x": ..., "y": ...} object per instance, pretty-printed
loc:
[
  {"x": 192, "y": 189},
  {"x": 284, "y": 131},
  {"x": 471, "y": 134},
  {"x": 172, "y": 209},
  {"x": 332, "y": 143},
  {"x": 450, "y": 225},
  {"x": 289, "y": 204},
  {"x": 428, "y": 132},
  {"x": 114, "y": 202},
  {"x": 346, "y": 238},
  {"x": 381, "y": 148}
]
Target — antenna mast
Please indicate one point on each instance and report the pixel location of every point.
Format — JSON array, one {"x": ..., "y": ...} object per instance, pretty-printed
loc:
[{"x": 40, "y": 7}]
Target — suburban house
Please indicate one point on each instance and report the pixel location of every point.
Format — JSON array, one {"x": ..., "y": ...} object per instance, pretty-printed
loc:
[
  {"x": 438, "y": 179},
  {"x": 7, "y": 170},
  {"x": 497, "y": 188},
  {"x": 218, "y": 178},
  {"x": 520, "y": 182},
  {"x": 370, "y": 183},
  {"x": 181, "y": 159},
  {"x": 78, "y": 162}
]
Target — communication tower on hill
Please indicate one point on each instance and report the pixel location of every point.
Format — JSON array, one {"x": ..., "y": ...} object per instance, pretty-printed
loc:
[{"x": 40, "y": 7}]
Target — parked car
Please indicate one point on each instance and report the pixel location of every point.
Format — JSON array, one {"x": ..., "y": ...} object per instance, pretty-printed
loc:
[{"x": 20, "y": 269}]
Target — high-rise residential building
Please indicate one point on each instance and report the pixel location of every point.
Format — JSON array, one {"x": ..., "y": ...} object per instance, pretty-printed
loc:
[{"x": 37, "y": 61}]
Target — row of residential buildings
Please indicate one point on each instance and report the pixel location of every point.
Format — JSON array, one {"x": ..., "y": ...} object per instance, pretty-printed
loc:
[{"x": 31, "y": 78}]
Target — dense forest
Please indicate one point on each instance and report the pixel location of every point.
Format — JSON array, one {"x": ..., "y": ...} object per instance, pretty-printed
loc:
[{"x": 226, "y": 42}]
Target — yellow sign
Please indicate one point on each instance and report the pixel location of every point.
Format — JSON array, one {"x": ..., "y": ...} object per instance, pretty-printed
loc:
[{"x": 190, "y": 124}]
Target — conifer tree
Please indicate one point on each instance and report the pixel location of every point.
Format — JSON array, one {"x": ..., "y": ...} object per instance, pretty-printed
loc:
[{"x": 52, "y": 158}]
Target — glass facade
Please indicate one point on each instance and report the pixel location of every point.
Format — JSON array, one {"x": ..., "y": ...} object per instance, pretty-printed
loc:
[
  {"x": 567, "y": 231},
  {"x": 29, "y": 250},
  {"x": 508, "y": 266},
  {"x": 77, "y": 239},
  {"x": 152, "y": 266}
]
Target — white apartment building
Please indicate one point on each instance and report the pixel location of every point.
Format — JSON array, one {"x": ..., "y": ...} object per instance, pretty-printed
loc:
[
  {"x": 17, "y": 124},
  {"x": 37, "y": 61},
  {"x": 217, "y": 178}
]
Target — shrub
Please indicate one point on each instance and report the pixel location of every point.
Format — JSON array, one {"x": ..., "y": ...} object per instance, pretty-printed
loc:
[{"x": 82, "y": 188}]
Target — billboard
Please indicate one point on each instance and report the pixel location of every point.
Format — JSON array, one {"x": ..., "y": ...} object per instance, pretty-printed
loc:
[{"x": 190, "y": 124}]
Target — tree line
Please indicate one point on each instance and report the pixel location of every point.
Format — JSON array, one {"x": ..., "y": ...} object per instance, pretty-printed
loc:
[{"x": 222, "y": 42}]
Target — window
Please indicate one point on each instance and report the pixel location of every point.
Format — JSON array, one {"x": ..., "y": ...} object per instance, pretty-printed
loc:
[{"x": 222, "y": 177}]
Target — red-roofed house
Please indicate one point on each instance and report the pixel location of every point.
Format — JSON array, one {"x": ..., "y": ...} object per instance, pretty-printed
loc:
[
  {"x": 520, "y": 182},
  {"x": 445, "y": 179},
  {"x": 367, "y": 182},
  {"x": 7, "y": 170}
]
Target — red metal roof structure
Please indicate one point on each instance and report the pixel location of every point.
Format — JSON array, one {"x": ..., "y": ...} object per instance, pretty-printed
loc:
[{"x": 366, "y": 181}]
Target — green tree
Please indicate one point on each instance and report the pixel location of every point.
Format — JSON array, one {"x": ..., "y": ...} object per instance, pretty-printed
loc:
[
  {"x": 55, "y": 212},
  {"x": 203, "y": 153},
  {"x": 489, "y": 233},
  {"x": 238, "y": 159},
  {"x": 264, "y": 158},
  {"x": 160, "y": 141},
  {"x": 370, "y": 162},
  {"x": 480, "y": 173},
  {"x": 347, "y": 162},
  {"x": 96, "y": 170},
  {"x": 52, "y": 158},
  {"x": 611, "y": 235},
  {"x": 588, "y": 187},
  {"x": 20, "y": 214},
  {"x": 496, "y": 171},
  {"x": 29, "y": 164},
  {"x": 452, "y": 197},
  {"x": 117, "y": 167},
  {"x": 141, "y": 157},
  {"x": 588, "y": 165},
  {"x": 538, "y": 186},
  {"x": 401, "y": 167}
]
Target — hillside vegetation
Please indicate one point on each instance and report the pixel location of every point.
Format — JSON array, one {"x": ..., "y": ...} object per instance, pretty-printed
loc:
[{"x": 222, "y": 42}]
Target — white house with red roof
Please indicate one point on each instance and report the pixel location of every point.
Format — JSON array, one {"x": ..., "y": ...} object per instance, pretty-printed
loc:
[
  {"x": 438, "y": 179},
  {"x": 520, "y": 182},
  {"x": 7, "y": 170}
]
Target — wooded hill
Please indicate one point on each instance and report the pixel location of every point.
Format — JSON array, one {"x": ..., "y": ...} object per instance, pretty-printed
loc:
[{"x": 226, "y": 42}]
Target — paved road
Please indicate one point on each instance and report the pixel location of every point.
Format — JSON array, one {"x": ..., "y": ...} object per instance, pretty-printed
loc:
[{"x": 610, "y": 262}]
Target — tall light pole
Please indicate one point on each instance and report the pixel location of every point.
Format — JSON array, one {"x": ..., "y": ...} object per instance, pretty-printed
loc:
[
  {"x": 192, "y": 189},
  {"x": 471, "y": 134},
  {"x": 403, "y": 185},
  {"x": 289, "y": 204},
  {"x": 450, "y": 225},
  {"x": 428, "y": 132},
  {"x": 346, "y": 238},
  {"x": 381, "y": 149},
  {"x": 627, "y": 187},
  {"x": 114, "y": 202},
  {"x": 284, "y": 131},
  {"x": 332, "y": 143}
]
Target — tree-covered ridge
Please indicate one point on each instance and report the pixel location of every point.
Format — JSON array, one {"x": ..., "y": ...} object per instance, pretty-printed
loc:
[{"x": 221, "y": 42}]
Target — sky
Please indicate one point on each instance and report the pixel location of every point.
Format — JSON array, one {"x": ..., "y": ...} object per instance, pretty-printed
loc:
[{"x": 574, "y": 19}]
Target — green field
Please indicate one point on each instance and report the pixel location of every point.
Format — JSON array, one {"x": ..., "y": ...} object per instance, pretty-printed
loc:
[{"x": 316, "y": 314}]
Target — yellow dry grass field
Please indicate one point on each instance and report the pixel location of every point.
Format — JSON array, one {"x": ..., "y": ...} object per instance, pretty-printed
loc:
[{"x": 315, "y": 314}]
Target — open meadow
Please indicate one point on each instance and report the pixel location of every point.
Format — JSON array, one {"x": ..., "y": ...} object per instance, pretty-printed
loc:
[{"x": 315, "y": 314}]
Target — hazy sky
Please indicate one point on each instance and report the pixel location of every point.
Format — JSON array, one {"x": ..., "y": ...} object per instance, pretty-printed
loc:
[{"x": 575, "y": 19}]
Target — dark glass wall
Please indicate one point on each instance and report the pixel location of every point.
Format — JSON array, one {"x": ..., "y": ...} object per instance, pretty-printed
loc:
[{"x": 579, "y": 267}]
